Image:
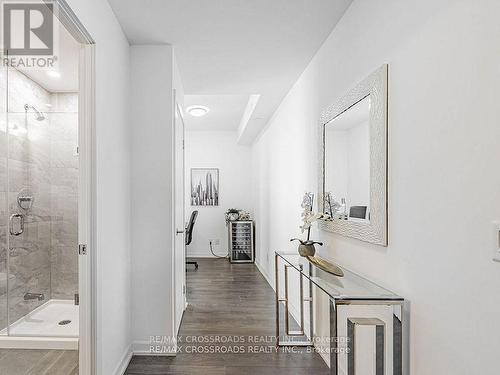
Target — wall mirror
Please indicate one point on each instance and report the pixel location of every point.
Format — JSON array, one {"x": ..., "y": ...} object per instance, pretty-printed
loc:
[{"x": 353, "y": 161}]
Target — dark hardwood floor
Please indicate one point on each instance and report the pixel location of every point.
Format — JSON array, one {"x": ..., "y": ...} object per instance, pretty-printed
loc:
[{"x": 229, "y": 300}]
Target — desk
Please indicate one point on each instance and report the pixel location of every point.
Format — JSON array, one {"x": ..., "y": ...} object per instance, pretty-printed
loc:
[{"x": 351, "y": 289}]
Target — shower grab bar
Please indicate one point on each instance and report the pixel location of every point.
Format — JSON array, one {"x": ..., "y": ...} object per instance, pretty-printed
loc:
[{"x": 21, "y": 224}]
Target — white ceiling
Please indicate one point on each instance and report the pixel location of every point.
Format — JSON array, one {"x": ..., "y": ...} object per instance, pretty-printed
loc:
[
  {"x": 225, "y": 111},
  {"x": 67, "y": 66},
  {"x": 235, "y": 47}
]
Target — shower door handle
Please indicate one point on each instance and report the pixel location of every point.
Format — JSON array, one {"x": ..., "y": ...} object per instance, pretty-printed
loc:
[{"x": 13, "y": 219}]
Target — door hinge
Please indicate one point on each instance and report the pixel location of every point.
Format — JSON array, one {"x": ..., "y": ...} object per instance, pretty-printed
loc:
[
  {"x": 183, "y": 289},
  {"x": 82, "y": 249}
]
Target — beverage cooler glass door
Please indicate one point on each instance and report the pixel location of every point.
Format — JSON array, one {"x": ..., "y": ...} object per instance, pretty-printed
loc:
[{"x": 241, "y": 241}]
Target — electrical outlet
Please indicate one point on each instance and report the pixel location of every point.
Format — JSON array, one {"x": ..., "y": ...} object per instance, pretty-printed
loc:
[{"x": 496, "y": 240}]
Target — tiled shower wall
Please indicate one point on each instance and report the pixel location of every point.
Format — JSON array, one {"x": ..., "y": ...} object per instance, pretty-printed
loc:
[{"x": 41, "y": 157}]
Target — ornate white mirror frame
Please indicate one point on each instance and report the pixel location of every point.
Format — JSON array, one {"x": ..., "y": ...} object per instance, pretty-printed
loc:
[{"x": 374, "y": 230}]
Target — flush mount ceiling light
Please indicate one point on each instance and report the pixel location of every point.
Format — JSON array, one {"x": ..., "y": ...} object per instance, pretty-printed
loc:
[
  {"x": 197, "y": 110},
  {"x": 54, "y": 74}
]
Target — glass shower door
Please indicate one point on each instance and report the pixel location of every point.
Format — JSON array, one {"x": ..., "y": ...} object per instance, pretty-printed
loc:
[
  {"x": 42, "y": 209},
  {"x": 29, "y": 219}
]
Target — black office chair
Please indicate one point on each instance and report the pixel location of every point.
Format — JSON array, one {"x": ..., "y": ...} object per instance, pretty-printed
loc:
[{"x": 189, "y": 235}]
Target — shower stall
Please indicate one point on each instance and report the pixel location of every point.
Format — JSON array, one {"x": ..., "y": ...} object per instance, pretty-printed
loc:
[{"x": 38, "y": 214}]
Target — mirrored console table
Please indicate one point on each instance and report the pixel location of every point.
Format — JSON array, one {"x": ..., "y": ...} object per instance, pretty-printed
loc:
[{"x": 349, "y": 290}]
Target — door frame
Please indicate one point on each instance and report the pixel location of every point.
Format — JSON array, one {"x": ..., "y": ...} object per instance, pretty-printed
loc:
[
  {"x": 86, "y": 188},
  {"x": 177, "y": 111},
  {"x": 86, "y": 213}
]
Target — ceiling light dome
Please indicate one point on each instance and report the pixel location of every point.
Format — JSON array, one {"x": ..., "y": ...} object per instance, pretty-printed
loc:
[{"x": 197, "y": 110}]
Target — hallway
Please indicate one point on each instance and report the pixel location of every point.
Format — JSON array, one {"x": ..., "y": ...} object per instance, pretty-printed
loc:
[{"x": 229, "y": 302}]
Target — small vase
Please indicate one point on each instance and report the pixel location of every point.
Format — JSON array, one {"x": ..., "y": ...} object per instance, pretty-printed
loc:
[{"x": 307, "y": 250}]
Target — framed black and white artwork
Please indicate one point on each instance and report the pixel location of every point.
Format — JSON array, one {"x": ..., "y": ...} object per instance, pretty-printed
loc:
[{"x": 204, "y": 186}]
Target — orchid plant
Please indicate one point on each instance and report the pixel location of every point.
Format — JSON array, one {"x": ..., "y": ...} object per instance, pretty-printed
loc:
[{"x": 309, "y": 217}]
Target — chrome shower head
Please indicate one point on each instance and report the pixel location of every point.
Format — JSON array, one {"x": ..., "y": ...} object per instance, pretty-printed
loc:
[{"x": 39, "y": 115}]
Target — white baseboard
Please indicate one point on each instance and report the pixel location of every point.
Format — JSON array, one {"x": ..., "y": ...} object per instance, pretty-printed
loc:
[
  {"x": 264, "y": 273},
  {"x": 201, "y": 254},
  {"x": 148, "y": 354},
  {"x": 122, "y": 366}
]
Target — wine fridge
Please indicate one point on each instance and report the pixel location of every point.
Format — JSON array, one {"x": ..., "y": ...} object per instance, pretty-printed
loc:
[{"x": 241, "y": 242}]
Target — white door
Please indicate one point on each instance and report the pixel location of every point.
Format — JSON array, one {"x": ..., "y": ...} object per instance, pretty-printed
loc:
[{"x": 179, "y": 250}]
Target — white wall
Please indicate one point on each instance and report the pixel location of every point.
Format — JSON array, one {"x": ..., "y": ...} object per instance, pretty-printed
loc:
[
  {"x": 217, "y": 149},
  {"x": 113, "y": 183},
  {"x": 152, "y": 158},
  {"x": 443, "y": 169}
]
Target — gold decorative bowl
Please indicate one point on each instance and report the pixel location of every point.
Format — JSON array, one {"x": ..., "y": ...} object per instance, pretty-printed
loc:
[{"x": 326, "y": 266}]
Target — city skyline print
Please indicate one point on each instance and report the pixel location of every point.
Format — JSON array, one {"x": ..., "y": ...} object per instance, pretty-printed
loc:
[{"x": 204, "y": 186}]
